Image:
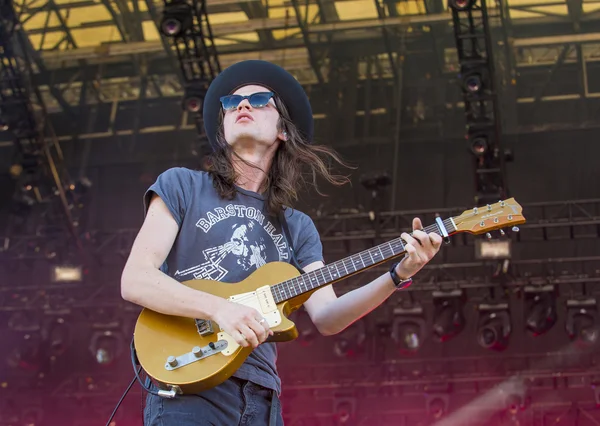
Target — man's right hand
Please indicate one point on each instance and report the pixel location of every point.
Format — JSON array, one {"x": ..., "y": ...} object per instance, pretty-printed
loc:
[{"x": 245, "y": 324}]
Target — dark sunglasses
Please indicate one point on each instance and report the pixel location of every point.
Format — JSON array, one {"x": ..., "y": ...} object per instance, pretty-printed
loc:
[{"x": 257, "y": 100}]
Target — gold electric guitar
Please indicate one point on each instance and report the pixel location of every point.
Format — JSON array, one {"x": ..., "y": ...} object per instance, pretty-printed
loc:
[{"x": 185, "y": 355}]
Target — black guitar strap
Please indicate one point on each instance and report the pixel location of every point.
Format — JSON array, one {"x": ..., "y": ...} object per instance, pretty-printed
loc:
[{"x": 288, "y": 237}]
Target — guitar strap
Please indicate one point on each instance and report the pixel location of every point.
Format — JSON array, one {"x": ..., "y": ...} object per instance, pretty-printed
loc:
[{"x": 288, "y": 237}]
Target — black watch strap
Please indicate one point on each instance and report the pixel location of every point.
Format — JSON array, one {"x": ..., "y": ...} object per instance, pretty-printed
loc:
[{"x": 399, "y": 283}]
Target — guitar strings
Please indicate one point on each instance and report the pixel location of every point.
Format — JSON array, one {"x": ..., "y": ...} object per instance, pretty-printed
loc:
[{"x": 386, "y": 251}]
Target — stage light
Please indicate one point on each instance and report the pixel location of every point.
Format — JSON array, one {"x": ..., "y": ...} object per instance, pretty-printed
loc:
[
  {"x": 479, "y": 145},
  {"x": 193, "y": 99},
  {"x": 473, "y": 82},
  {"x": 494, "y": 328},
  {"x": 28, "y": 355},
  {"x": 408, "y": 328},
  {"x": 4, "y": 126},
  {"x": 344, "y": 409},
  {"x": 448, "y": 317},
  {"x": 581, "y": 321},
  {"x": 460, "y": 5},
  {"x": 437, "y": 406},
  {"x": 540, "y": 309},
  {"x": 193, "y": 104},
  {"x": 106, "y": 346},
  {"x": 177, "y": 18},
  {"x": 493, "y": 249},
  {"x": 351, "y": 341},
  {"x": 58, "y": 337},
  {"x": 66, "y": 273}
]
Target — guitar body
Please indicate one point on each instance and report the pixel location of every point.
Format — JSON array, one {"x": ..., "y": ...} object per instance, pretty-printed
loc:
[{"x": 158, "y": 336}]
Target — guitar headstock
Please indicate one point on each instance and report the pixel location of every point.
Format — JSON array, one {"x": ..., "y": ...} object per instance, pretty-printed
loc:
[{"x": 491, "y": 217}]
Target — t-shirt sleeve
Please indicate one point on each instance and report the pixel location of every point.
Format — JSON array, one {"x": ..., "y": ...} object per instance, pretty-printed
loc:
[
  {"x": 308, "y": 247},
  {"x": 173, "y": 186}
]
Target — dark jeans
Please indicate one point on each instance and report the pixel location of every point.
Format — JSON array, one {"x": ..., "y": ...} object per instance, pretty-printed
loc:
[{"x": 236, "y": 402}]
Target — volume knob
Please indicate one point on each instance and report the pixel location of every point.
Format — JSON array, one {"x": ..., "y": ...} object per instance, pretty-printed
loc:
[{"x": 172, "y": 361}]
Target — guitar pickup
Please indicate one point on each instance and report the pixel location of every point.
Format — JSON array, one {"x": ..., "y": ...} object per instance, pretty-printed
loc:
[{"x": 205, "y": 327}]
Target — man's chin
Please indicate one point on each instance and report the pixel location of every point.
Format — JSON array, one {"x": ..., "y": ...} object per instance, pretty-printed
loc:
[{"x": 248, "y": 140}]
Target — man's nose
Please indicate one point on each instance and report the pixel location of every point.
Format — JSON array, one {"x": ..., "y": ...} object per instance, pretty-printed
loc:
[{"x": 245, "y": 104}]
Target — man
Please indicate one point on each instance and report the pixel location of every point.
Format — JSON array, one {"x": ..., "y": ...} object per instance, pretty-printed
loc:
[{"x": 225, "y": 223}]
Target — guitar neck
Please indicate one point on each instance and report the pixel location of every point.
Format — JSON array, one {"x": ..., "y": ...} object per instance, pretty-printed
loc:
[{"x": 349, "y": 266}]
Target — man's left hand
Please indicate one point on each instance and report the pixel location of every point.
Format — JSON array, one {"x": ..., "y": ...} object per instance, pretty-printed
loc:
[{"x": 420, "y": 249}]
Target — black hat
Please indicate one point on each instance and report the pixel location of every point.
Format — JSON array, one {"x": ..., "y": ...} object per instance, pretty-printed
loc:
[{"x": 261, "y": 73}]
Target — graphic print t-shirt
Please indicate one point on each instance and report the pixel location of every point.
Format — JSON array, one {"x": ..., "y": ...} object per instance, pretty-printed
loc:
[{"x": 227, "y": 240}]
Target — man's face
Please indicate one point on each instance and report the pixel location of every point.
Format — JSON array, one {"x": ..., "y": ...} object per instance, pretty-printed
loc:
[{"x": 246, "y": 124}]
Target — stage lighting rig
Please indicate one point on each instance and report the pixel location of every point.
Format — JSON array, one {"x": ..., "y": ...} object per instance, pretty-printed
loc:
[
  {"x": 408, "y": 328},
  {"x": 494, "y": 327},
  {"x": 581, "y": 320},
  {"x": 41, "y": 173},
  {"x": 448, "y": 317},
  {"x": 476, "y": 62},
  {"x": 186, "y": 27},
  {"x": 540, "y": 309}
]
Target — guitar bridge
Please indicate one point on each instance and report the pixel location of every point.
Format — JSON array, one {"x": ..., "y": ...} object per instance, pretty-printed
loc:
[
  {"x": 204, "y": 327},
  {"x": 198, "y": 353}
]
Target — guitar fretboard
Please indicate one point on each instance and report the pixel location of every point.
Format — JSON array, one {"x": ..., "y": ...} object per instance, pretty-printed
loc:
[{"x": 348, "y": 266}]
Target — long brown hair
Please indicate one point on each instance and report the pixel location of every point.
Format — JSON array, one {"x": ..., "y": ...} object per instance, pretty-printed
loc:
[{"x": 287, "y": 174}]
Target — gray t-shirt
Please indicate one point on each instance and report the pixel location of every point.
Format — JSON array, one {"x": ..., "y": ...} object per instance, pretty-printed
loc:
[{"x": 227, "y": 240}]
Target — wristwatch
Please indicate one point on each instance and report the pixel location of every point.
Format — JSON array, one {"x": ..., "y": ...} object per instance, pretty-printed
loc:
[{"x": 399, "y": 283}]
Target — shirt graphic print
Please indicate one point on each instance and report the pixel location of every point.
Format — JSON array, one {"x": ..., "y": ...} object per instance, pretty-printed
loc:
[{"x": 248, "y": 241}]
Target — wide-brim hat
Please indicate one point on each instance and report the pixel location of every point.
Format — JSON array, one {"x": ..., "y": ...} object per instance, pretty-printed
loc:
[{"x": 261, "y": 73}]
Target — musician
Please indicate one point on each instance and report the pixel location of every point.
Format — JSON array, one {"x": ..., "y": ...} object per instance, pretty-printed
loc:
[{"x": 225, "y": 223}]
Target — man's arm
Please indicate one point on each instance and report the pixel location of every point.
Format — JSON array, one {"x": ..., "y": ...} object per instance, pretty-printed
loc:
[
  {"x": 332, "y": 314},
  {"x": 143, "y": 283}
]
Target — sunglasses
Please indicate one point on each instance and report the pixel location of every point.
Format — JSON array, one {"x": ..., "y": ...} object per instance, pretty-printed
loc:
[{"x": 257, "y": 100}]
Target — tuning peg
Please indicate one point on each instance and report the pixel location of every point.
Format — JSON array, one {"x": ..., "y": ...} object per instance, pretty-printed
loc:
[
  {"x": 488, "y": 236},
  {"x": 502, "y": 232},
  {"x": 515, "y": 229}
]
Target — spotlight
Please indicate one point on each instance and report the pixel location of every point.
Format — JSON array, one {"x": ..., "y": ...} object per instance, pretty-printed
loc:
[
  {"x": 408, "y": 328},
  {"x": 473, "y": 82},
  {"x": 177, "y": 18},
  {"x": 193, "y": 104},
  {"x": 581, "y": 321},
  {"x": 448, "y": 317},
  {"x": 540, "y": 305},
  {"x": 514, "y": 403},
  {"x": 28, "y": 355},
  {"x": 350, "y": 342},
  {"x": 193, "y": 100},
  {"x": 344, "y": 410},
  {"x": 479, "y": 145},
  {"x": 460, "y": 5},
  {"x": 437, "y": 406},
  {"x": 494, "y": 326},
  {"x": 4, "y": 126},
  {"x": 58, "y": 337},
  {"x": 105, "y": 346}
]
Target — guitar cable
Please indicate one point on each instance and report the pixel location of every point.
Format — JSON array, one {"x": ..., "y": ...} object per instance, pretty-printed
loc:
[{"x": 134, "y": 362}]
